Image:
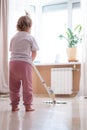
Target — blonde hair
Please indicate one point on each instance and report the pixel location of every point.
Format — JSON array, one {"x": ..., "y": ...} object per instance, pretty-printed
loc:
[{"x": 24, "y": 23}]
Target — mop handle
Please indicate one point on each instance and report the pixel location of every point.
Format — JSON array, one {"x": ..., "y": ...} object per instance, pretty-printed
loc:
[
  {"x": 49, "y": 90},
  {"x": 42, "y": 81},
  {"x": 38, "y": 73}
]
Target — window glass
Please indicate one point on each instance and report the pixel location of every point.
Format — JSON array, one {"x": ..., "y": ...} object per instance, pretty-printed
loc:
[
  {"x": 76, "y": 14},
  {"x": 54, "y": 19}
]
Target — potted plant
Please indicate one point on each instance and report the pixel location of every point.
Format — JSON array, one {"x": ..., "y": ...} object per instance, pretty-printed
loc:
[{"x": 73, "y": 37}]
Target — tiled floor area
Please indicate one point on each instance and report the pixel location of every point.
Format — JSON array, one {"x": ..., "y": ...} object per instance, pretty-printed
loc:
[{"x": 69, "y": 116}]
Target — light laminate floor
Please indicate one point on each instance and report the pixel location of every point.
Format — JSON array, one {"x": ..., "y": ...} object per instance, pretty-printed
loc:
[{"x": 69, "y": 116}]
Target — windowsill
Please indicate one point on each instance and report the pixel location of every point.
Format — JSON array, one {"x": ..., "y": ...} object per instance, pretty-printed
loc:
[{"x": 47, "y": 64}]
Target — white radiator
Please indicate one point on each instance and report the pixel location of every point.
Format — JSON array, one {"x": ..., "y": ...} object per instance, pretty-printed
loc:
[{"x": 61, "y": 80}]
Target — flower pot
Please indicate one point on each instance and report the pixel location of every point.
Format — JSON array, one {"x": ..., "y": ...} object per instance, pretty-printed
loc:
[{"x": 72, "y": 53}]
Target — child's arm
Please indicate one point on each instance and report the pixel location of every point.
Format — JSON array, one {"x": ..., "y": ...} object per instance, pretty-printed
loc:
[{"x": 34, "y": 53}]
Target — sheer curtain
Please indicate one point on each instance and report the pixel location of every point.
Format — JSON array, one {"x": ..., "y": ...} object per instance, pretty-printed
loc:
[
  {"x": 83, "y": 85},
  {"x": 3, "y": 46}
]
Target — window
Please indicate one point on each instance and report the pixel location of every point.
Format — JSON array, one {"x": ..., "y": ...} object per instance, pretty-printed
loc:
[
  {"x": 54, "y": 18},
  {"x": 48, "y": 22}
]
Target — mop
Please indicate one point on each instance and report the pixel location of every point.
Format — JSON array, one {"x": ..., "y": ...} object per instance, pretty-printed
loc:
[{"x": 48, "y": 89}]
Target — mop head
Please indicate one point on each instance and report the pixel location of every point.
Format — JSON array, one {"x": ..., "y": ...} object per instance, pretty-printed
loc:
[
  {"x": 54, "y": 102},
  {"x": 52, "y": 96}
]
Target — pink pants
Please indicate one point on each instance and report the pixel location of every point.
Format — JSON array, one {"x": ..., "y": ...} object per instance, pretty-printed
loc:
[{"x": 20, "y": 70}]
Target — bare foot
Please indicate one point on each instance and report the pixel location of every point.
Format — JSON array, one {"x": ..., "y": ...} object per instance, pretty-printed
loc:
[
  {"x": 30, "y": 109},
  {"x": 15, "y": 109}
]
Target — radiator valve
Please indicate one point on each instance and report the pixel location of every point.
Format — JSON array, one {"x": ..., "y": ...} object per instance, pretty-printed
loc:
[{"x": 75, "y": 68}]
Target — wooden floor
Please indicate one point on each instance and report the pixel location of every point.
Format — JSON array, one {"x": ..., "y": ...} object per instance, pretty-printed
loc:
[{"x": 69, "y": 116}]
